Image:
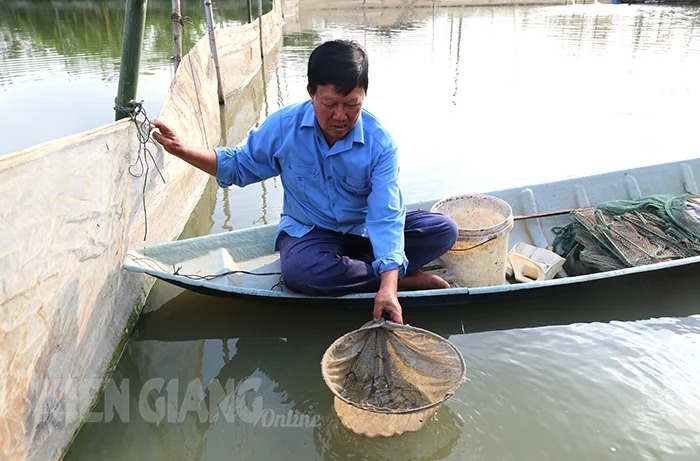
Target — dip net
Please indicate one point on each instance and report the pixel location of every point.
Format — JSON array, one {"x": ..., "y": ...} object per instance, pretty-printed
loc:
[
  {"x": 389, "y": 378},
  {"x": 627, "y": 233}
]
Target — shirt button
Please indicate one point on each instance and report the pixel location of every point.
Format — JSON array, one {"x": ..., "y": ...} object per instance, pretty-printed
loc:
[{"x": 329, "y": 177}]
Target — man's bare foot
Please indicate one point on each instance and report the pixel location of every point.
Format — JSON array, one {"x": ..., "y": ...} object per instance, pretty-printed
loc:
[{"x": 422, "y": 281}]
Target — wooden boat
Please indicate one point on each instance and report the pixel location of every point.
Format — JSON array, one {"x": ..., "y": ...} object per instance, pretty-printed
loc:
[{"x": 241, "y": 263}]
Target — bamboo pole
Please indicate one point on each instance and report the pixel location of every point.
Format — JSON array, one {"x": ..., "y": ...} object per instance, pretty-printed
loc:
[
  {"x": 260, "y": 15},
  {"x": 132, "y": 43},
  {"x": 545, "y": 214},
  {"x": 250, "y": 11},
  {"x": 212, "y": 44},
  {"x": 177, "y": 34}
]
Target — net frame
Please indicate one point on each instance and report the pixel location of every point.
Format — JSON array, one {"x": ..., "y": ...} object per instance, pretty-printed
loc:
[{"x": 372, "y": 420}]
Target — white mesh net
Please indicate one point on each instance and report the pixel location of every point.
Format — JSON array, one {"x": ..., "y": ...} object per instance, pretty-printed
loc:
[{"x": 390, "y": 378}]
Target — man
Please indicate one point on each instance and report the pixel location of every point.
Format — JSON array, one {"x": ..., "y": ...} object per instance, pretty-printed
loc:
[{"x": 344, "y": 227}]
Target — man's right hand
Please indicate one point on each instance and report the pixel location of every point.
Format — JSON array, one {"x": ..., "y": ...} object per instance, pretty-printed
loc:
[
  {"x": 203, "y": 159},
  {"x": 166, "y": 137},
  {"x": 386, "y": 299}
]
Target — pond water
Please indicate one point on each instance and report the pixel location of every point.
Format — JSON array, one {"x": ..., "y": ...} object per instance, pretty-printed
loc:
[
  {"x": 59, "y": 63},
  {"x": 479, "y": 99}
]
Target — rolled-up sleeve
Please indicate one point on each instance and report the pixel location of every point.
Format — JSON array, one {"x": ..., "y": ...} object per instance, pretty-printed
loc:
[
  {"x": 386, "y": 216},
  {"x": 251, "y": 161}
]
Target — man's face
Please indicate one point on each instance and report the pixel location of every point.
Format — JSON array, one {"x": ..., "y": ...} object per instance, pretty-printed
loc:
[{"x": 336, "y": 114}]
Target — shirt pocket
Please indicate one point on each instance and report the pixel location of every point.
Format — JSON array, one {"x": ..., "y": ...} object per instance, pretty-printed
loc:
[
  {"x": 359, "y": 187},
  {"x": 303, "y": 181},
  {"x": 354, "y": 192}
]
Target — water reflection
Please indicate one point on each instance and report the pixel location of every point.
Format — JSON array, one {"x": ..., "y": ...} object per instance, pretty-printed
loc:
[
  {"x": 457, "y": 55},
  {"x": 436, "y": 440},
  {"x": 525, "y": 386},
  {"x": 243, "y": 110},
  {"x": 92, "y": 31},
  {"x": 237, "y": 403}
]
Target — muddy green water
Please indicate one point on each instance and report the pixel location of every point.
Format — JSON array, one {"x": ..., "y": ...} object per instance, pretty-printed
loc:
[{"x": 479, "y": 99}]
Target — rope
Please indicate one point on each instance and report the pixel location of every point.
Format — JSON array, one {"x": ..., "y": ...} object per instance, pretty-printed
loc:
[
  {"x": 181, "y": 19},
  {"x": 176, "y": 271},
  {"x": 155, "y": 265},
  {"x": 140, "y": 167}
]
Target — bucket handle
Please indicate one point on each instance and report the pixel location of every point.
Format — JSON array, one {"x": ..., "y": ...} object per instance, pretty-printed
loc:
[{"x": 475, "y": 246}]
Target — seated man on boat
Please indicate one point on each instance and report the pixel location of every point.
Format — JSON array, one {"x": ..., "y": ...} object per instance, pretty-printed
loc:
[{"x": 344, "y": 226}]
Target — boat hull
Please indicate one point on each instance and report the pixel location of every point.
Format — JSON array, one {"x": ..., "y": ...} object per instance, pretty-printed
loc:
[{"x": 230, "y": 264}]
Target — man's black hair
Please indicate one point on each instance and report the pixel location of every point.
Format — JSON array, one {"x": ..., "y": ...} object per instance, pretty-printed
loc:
[{"x": 342, "y": 63}]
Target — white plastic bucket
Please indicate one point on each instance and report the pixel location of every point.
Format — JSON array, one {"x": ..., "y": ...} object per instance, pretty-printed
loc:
[{"x": 479, "y": 256}]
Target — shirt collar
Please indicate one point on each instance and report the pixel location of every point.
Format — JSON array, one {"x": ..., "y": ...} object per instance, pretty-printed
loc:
[
  {"x": 358, "y": 132},
  {"x": 309, "y": 119}
]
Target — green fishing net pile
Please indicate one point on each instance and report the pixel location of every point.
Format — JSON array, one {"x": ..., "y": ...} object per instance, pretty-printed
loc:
[{"x": 627, "y": 233}]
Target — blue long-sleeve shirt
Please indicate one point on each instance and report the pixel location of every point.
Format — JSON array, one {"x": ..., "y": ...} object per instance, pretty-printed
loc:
[{"x": 349, "y": 188}]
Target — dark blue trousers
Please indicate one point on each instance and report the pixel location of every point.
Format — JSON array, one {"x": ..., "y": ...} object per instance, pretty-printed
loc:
[{"x": 331, "y": 263}]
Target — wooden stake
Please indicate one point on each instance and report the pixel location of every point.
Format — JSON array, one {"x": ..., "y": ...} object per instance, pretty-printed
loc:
[
  {"x": 132, "y": 43},
  {"x": 260, "y": 24},
  {"x": 214, "y": 53},
  {"x": 177, "y": 34}
]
